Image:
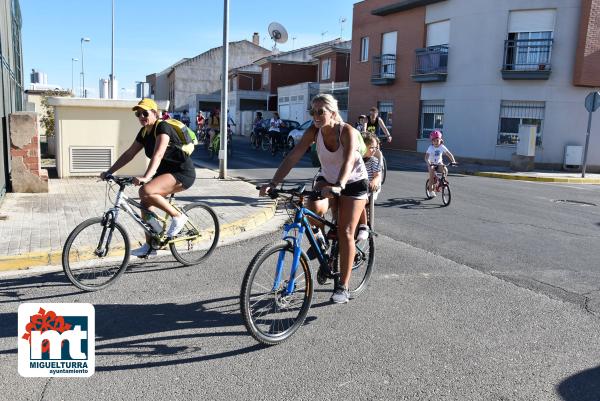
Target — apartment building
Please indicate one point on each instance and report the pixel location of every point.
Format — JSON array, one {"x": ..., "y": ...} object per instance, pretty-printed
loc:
[{"x": 478, "y": 70}]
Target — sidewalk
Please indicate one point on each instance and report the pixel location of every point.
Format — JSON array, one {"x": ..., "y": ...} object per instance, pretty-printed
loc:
[
  {"x": 34, "y": 227},
  {"x": 415, "y": 160}
]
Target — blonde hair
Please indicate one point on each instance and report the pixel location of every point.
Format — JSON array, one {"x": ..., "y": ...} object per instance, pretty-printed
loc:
[
  {"x": 371, "y": 139},
  {"x": 330, "y": 103}
]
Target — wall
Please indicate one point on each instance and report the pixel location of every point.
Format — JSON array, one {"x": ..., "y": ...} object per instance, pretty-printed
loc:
[
  {"x": 404, "y": 93},
  {"x": 587, "y": 62},
  {"x": 96, "y": 123},
  {"x": 202, "y": 74},
  {"x": 289, "y": 74},
  {"x": 474, "y": 88}
]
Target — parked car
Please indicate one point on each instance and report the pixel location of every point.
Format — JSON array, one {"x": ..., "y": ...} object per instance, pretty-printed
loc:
[
  {"x": 295, "y": 134},
  {"x": 289, "y": 126}
]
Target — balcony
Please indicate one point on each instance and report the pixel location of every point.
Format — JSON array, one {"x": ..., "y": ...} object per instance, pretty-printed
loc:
[
  {"x": 431, "y": 64},
  {"x": 527, "y": 59},
  {"x": 384, "y": 69}
]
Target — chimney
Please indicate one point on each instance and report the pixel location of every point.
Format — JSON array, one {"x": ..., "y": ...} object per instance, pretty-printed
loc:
[{"x": 256, "y": 39}]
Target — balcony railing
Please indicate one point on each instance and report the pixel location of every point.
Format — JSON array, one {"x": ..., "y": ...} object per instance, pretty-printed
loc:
[
  {"x": 431, "y": 64},
  {"x": 527, "y": 59},
  {"x": 384, "y": 69}
]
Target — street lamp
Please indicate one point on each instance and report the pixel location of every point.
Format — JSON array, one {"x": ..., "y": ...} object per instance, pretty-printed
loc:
[
  {"x": 73, "y": 60},
  {"x": 82, "y": 70}
]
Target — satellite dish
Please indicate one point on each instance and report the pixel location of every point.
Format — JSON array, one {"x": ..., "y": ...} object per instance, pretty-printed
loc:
[{"x": 278, "y": 33}]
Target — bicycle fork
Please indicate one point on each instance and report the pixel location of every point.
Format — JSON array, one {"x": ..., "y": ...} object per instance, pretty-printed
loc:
[
  {"x": 108, "y": 227},
  {"x": 295, "y": 243}
]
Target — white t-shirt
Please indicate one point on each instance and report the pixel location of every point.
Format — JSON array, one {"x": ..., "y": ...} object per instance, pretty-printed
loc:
[
  {"x": 436, "y": 153},
  {"x": 275, "y": 123}
]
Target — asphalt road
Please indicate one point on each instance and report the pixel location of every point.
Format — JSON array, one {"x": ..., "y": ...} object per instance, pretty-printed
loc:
[{"x": 477, "y": 301}]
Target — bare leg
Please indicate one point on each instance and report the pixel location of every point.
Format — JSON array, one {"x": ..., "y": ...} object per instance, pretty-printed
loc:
[
  {"x": 154, "y": 192},
  {"x": 349, "y": 213}
]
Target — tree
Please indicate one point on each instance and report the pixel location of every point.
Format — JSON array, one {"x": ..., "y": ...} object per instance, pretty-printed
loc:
[{"x": 47, "y": 119}]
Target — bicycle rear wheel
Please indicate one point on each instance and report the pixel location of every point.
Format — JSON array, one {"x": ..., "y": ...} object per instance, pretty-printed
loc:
[
  {"x": 199, "y": 236},
  {"x": 362, "y": 267},
  {"x": 95, "y": 254},
  {"x": 269, "y": 314},
  {"x": 446, "y": 194}
]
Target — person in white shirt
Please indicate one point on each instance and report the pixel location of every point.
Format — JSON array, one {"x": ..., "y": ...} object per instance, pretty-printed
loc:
[
  {"x": 434, "y": 158},
  {"x": 274, "y": 131}
]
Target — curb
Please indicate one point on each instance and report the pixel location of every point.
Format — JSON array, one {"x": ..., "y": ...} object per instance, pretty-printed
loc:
[
  {"x": 54, "y": 258},
  {"x": 508, "y": 176}
]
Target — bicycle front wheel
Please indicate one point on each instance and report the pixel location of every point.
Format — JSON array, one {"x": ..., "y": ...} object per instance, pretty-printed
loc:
[
  {"x": 199, "y": 237},
  {"x": 427, "y": 190},
  {"x": 446, "y": 195},
  {"x": 270, "y": 314},
  {"x": 95, "y": 254},
  {"x": 265, "y": 143}
]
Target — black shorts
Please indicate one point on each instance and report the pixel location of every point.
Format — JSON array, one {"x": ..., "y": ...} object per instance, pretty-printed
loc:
[
  {"x": 185, "y": 177},
  {"x": 357, "y": 189}
]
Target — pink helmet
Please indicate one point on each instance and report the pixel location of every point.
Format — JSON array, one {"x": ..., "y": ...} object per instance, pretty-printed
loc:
[{"x": 435, "y": 134}]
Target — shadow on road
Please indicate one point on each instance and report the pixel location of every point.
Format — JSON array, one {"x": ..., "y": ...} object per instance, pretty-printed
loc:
[
  {"x": 410, "y": 203},
  {"x": 161, "y": 331},
  {"x": 583, "y": 386},
  {"x": 12, "y": 287}
]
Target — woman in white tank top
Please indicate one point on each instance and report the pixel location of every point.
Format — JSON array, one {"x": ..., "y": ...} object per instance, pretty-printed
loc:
[{"x": 342, "y": 169}]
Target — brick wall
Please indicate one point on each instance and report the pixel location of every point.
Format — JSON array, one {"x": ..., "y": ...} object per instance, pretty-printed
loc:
[
  {"x": 404, "y": 93},
  {"x": 26, "y": 173},
  {"x": 587, "y": 57}
]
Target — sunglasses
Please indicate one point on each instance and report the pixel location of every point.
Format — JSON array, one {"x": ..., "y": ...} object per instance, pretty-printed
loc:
[
  {"x": 319, "y": 112},
  {"x": 140, "y": 113}
]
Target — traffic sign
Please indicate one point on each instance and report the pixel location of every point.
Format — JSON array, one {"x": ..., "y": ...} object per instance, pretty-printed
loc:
[{"x": 592, "y": 101}]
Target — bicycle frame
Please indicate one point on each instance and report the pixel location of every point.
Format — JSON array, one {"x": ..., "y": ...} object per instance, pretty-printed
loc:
[
  {"x": 123, "y": 202},
  {"x": 301, "y": 224}
]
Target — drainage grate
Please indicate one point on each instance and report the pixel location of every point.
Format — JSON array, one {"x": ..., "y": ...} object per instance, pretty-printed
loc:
[{"x": 574, "y": 202}]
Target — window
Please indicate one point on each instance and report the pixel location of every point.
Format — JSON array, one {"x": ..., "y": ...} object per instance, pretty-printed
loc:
[
  {"x": 529, "y": 41},
  {"x": 385, "y": 112},
  {"x": 528, "y": 50},
  {"x": 432, "y": 117},
  {"x": 513, "y": 114},
  {"x": 265, "y": 77},
  {"x": 364, "y": 49},
  {"x": 326, "y": 69}
]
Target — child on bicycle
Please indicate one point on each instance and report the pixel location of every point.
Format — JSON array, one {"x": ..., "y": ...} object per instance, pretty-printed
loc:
[
  {"x": 374, "y": 168},
  {"x": 434, "y": 159}
]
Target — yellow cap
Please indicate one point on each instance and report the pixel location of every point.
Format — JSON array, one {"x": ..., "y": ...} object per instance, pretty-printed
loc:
[{"x": 146, "y": 104}]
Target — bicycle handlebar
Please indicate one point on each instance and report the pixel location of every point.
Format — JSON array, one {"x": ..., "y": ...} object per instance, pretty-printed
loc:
[
  {"x": 297, "y": 191},
  {"x": 119, "y": 180},
  {"x": 442, "y": 164}
]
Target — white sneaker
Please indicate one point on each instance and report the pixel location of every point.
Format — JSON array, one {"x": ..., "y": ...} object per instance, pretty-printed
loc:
[
  {"x": 143, "y": 251},
  {"x": 433, "y": 194},
  {"x": 363, "y": 232},
  {"x": 176, "y": 226}
]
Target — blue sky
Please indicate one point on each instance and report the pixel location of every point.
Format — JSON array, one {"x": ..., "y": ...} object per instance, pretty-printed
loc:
[{"x": 147, "y": 42}]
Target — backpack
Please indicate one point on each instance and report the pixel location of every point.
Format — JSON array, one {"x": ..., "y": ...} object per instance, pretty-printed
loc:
[{"x": 186, "y": 135}]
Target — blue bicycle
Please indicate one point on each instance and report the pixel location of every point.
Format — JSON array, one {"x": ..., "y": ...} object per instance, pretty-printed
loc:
[{"x": 277, "y": 289}]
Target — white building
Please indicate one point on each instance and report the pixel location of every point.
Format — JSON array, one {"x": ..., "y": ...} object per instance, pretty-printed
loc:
[{"x": 508, "y": 63}]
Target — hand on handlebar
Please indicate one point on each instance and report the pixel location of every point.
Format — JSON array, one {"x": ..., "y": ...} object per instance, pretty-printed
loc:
[
  {"x": 331, "y": 191},
  {"x": 140, "y": 180},
  {"x": 265, "y": 189}
]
